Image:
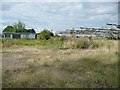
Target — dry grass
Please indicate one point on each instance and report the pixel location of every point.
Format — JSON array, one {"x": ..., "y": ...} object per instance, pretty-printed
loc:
[{"x": 30, "y": 66}]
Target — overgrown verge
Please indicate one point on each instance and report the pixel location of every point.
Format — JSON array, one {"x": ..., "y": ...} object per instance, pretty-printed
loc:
[{"x": 59, "y": 42}]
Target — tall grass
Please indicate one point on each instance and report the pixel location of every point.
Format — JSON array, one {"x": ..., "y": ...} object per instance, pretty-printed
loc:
[
  {"x": 27, "y": 42},
  {"x": 82, "y": 43},
  {"x": 61, "y": 42},
  {"x": 68, "y": 68}
]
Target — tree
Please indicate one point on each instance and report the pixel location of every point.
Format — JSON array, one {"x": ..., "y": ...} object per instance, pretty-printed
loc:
[
  {"x": 30, "y": 30},
  {"x": 19, "y": 27},
  {"x": 8, "y": 29},
  {"x": 45, "y": 34}
]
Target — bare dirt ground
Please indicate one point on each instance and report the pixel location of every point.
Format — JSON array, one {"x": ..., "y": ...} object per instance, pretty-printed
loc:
[{"x": 17, "y": 57}]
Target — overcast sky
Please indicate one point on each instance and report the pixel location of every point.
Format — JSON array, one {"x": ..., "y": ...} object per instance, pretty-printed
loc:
[{"x": 58, "y": 15}]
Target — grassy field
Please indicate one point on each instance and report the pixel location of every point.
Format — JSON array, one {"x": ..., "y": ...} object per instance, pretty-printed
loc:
[{"x": 60, "y": 63}]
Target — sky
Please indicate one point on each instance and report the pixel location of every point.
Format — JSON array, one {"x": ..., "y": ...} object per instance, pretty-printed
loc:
[{"x": 58, "y": 16}]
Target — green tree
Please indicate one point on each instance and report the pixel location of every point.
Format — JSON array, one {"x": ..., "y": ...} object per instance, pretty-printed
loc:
[
  {"x": 8, "y": 29},
  {"x": 30, "y": 30},
  {"x": 19, "y": 27},
  {"x": 45, "y": 34}
]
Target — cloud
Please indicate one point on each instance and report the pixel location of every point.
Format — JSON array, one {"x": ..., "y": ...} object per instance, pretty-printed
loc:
[
  {"x": 5, "y": 6},
  {"x": 60, "y": 0},
  {"x": 59, "y": 16}
]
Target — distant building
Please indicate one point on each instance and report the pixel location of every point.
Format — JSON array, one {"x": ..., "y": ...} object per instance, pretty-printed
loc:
[
  {"x": 111, "y": 31},
  {"x": 19, "y": 35}
]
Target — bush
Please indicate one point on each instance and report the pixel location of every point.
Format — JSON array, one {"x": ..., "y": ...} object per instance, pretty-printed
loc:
[
  {"x": 82, "y": 44},
  {"x": 58, "y": 42},
  {"x": 45, "y": 34},
  {"x": 79, "y": 43}
]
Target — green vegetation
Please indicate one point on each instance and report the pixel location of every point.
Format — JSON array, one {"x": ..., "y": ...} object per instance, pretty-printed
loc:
[
  {"x": 45, "y": 34},
  {"x": 59, "y": 42},
  {"x": 27, "y": 42},
  {"x": 9, "y": 29},
  {"x": 59, "y": 62},
  {"x": 18, "y": 28},
  {"x": 41, "y": 67},
  {"x": 82, "y": 43}
]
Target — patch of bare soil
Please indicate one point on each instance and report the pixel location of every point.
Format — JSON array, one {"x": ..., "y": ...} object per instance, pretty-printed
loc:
[{"x": 16, "y": 57}]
